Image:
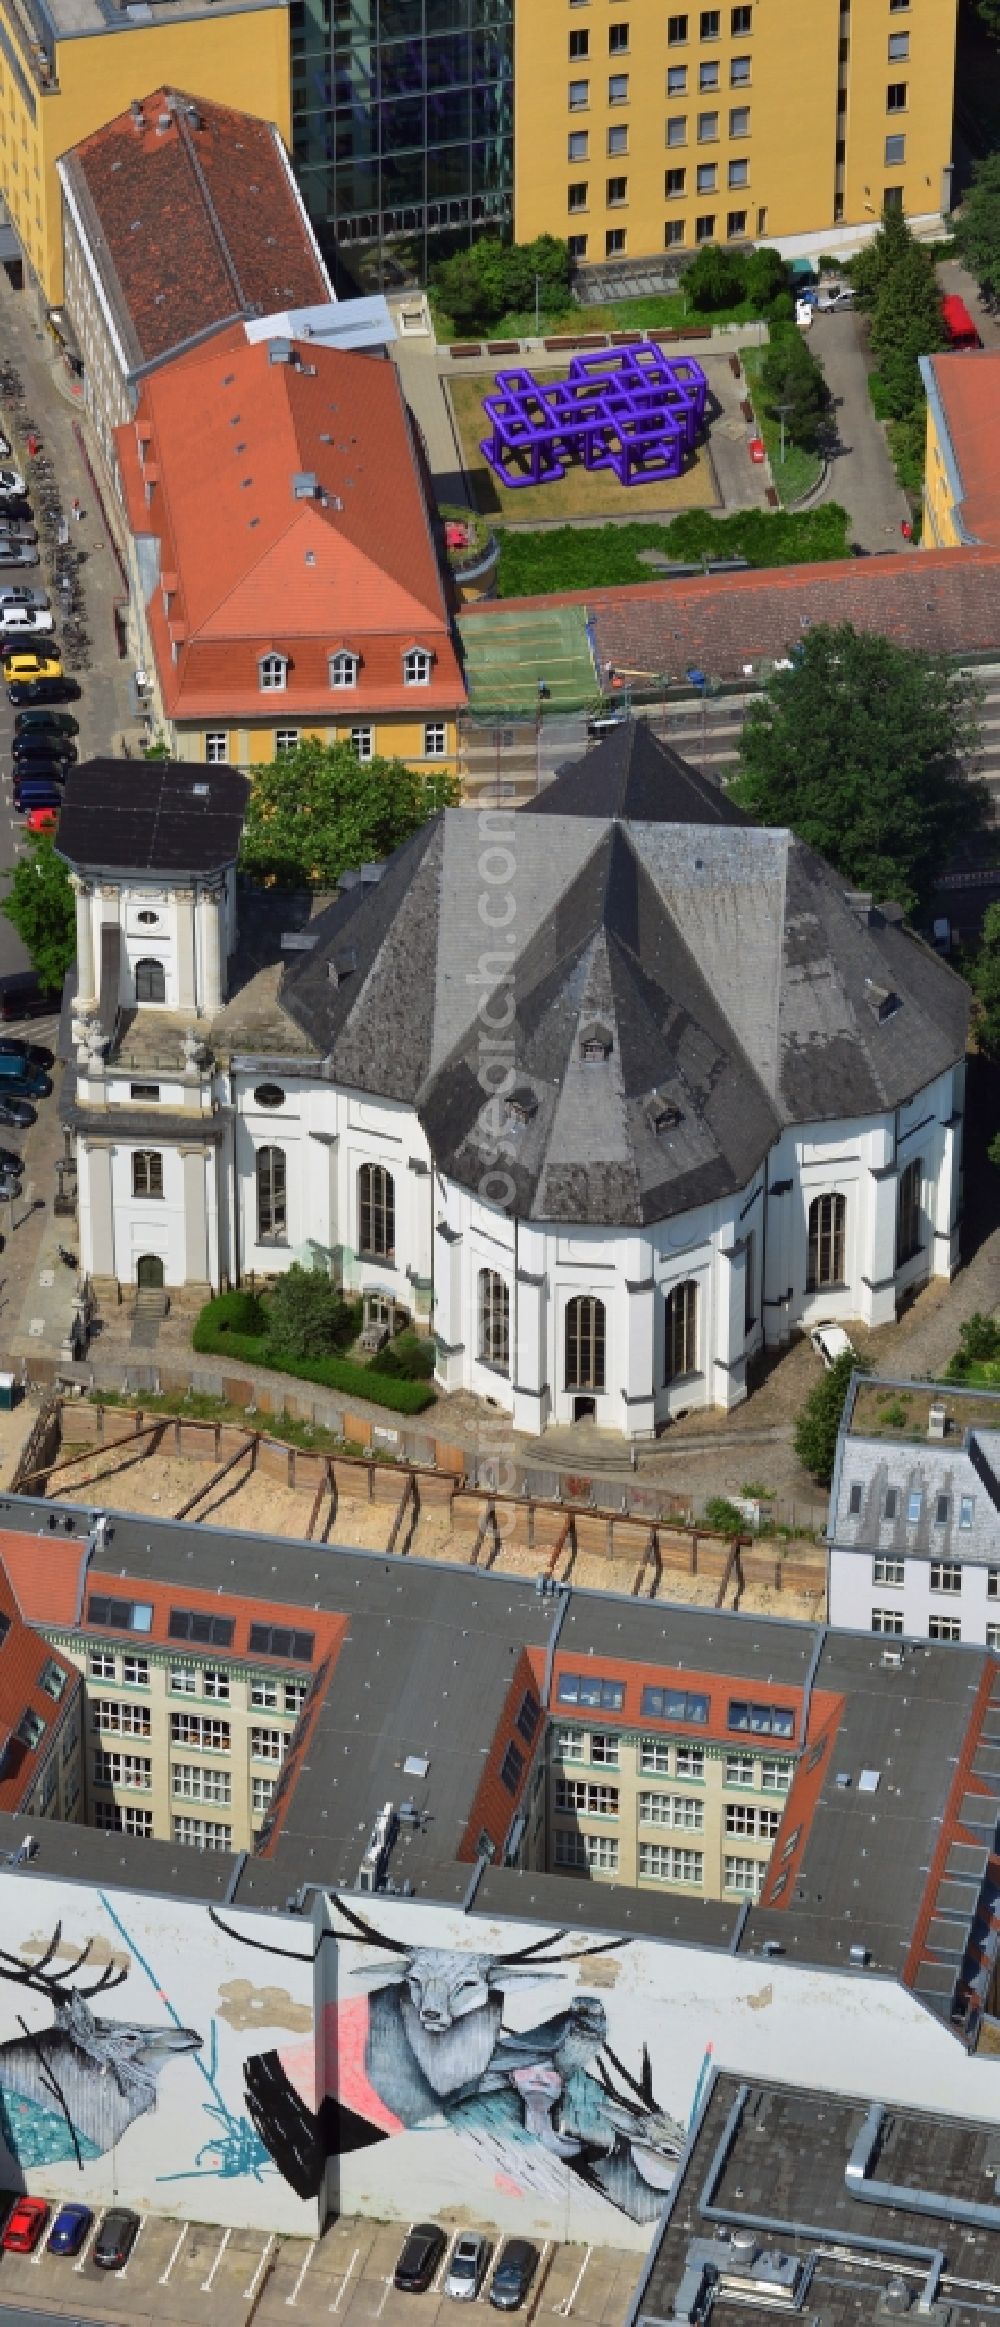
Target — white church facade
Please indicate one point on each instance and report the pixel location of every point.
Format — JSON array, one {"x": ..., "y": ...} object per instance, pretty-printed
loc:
[{"x": 698, "y": 1099}]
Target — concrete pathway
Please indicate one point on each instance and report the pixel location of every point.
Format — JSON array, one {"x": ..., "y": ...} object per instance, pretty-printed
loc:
[{"x": 861, "y": 476}]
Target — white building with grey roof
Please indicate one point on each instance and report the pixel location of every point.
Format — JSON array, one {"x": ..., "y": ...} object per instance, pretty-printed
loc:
[
  {"x": 611, "y": 1093},
  {"x": 914, "y": 1519}
]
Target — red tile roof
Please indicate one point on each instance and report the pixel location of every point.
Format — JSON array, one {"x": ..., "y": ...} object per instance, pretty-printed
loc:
[
  {"x": 192, "y": 217},
  {"x": 968, "y": 388},
  {"x": 46, "y": 1573},
  {"x": 947, "y": 601},
  {"x": 23, "y": 1658},
  {"x": 261, "y": 571}
]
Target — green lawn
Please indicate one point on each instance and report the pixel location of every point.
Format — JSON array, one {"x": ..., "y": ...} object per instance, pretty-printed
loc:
[
  {"x": 800, "y": 470},
  {"x": 668, "y": 312}
]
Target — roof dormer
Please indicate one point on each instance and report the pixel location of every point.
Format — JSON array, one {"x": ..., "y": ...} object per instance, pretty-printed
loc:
[
  {"x": 272, "y": 671},
  {"x": 418, "y": 664}
]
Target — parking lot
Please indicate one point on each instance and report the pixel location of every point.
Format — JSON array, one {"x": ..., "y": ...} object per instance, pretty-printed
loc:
[{"x": 196, "y": 2276}]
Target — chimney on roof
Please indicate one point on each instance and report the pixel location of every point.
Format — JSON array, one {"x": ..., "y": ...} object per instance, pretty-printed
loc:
[
  {"x": 164, "y": 121},
  {"x": 138, "y": 117},
  {"x": 193, "y": 115},
  {"x": 279, "y": 351},
  {"x": 305, "y": 485}
]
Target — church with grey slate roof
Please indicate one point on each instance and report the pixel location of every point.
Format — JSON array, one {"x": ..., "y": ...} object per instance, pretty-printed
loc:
[{"x": 609, "y": 1093}]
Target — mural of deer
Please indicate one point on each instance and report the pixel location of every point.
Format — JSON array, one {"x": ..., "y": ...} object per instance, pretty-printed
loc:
[{"x": 71, "y": 2090}]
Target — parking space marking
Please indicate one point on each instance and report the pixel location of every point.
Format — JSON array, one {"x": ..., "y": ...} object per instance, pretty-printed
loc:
[
  {"x": 533, "y": 2306},
  {"x": 165, "y": 2275},
  {"x": 345, "y": 2282},
  {"x": 380, "y": 2307},
  {"x": 206, "y": 2284},
  {"x": 564, "y": 2308},
  {"x": 87, "y": 2244},
  {"x": 250, "y": 2291},
  {"x": 123, "y": 2273},
  {"x": 310, "y": 2251},
  {"x": 446, "y": 2258}
]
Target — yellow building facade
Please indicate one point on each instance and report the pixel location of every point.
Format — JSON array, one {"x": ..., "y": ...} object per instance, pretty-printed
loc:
[
  {"x": 642, "y": 129},
  {"x": 962, "y": 467},
  {"x": 53, "y": 92}
]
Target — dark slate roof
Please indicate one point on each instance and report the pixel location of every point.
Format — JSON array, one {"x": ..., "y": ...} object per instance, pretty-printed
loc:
[
  {"x": 719, "y": 972},
  {"x": 630, "y": 773},
  {"x": 151, "y": 816}
]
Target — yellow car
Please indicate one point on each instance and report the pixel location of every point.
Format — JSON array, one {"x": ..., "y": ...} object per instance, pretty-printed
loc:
[{"x": 31, "y": 666}]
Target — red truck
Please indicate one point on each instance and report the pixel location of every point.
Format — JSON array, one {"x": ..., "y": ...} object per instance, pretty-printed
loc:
[{"x": 958, "y": 323}]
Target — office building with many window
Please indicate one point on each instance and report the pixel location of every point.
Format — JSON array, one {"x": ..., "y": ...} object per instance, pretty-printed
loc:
[
  {"x": 404, "y": 113},
  {"x": 641, "y": 133},
  {"x": 914, "y": 1522},
  {"x": 614, "y": 1095},
  {"x": 400, "y": 1878}
]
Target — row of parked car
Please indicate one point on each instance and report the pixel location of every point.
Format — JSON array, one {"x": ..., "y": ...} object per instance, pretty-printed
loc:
[
  {"x": 426, "y": 2246},
  {"x": 18, "y": 532},
  {"x": 29, "y": 2218},
  {"x": 44, "y": 747}
]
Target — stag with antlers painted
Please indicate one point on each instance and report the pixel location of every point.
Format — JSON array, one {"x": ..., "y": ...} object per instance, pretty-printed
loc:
[
  {"x": 429, "y": 2046},
  {"x": 70, "y": 2091}
]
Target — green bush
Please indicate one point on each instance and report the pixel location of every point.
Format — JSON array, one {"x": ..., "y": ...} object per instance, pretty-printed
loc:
[
  {"x": 596, "y": 556},
  {"x": 238, "y": 1312},
  {"x": 894, "y": 1415},
  {"x": 723, "y": 1515},
  {"x": 410, "y": 1357},
  {"x": 307, "y": 1315},
  {"x": 716, "y": 278},
  {"x": 978, "y": 1341},
  {"x": 331, "y": 1373}
]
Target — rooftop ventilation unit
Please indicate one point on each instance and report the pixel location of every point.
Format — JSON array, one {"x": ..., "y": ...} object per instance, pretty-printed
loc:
[
  {"x": 279, "y": 351},
  {"x": 305, "y": 485},
  {"x": 371, "y": 1873},
  {"x": 937, "y": 1421},
  {"x": 859, "y": 1956},
  {"x": 164, "y": 121},
  {"x": 896, "y": 2297},
  {"x": 891, "y": 1659},
  {"x": 521, "y": 1104}
]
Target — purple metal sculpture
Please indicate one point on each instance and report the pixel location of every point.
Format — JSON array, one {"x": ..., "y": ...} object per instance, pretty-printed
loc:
[{"x": 632, "y": 410}]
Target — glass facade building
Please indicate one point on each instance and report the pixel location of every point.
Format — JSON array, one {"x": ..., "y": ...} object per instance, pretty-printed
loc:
[{"x": 403, "y": 128}]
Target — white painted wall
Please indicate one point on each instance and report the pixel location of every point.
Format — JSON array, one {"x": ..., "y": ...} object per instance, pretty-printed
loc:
[
  {"x": 188, "y": 2147},
  {"x": 193, "y": 2152}
]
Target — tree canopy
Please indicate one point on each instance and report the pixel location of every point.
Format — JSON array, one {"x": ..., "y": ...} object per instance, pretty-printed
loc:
[
  {"x": 793, "y": 381},
  {"x": 479, "y": 285},
  {"x": 318, "y": 810},
  {"x": 41, "y": 905},
  {"x": 983, "y": 973},
  {"x": 977, "y": 231},
  {"x": 858, "y": 749},
  {"x": 906, "y": 324},
  {"x": 875, "y": 263},
  {"x": 818, "y": 1421}
]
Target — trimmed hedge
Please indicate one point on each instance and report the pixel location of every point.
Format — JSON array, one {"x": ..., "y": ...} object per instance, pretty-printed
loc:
[
  {"x": 212, "y": 1337},
  {"x": 595, "y": 557}
]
